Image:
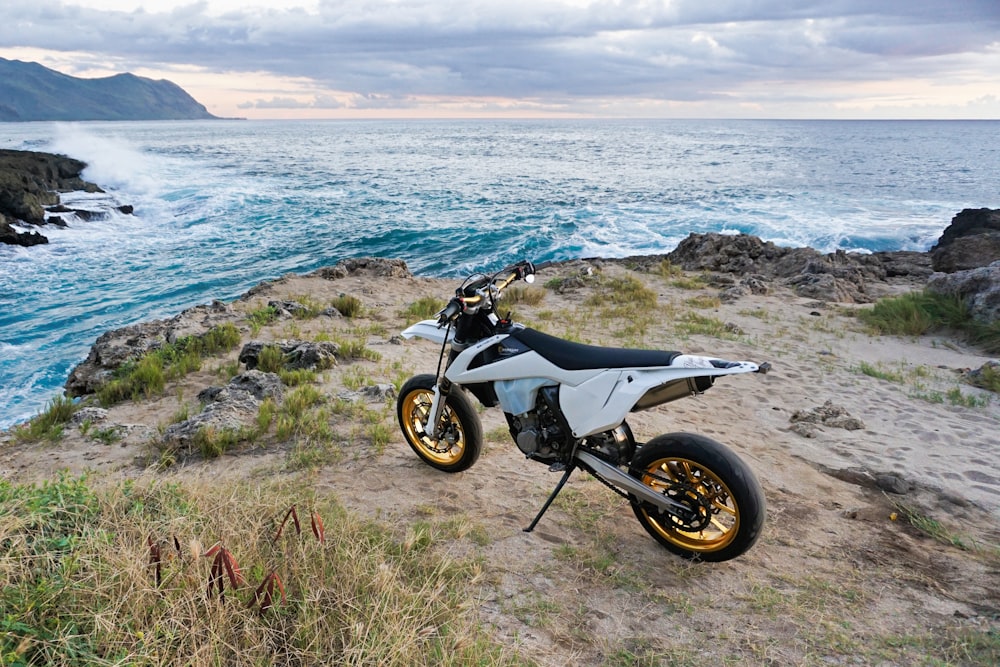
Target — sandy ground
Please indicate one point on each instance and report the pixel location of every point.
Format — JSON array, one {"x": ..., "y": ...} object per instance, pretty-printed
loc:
[{"x": 839, "y": 575}]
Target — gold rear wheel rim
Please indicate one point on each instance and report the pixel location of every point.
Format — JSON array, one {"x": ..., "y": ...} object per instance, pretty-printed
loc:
[{"x": 724, "y": 523}]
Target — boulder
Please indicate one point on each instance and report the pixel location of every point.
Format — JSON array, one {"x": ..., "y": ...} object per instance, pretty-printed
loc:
[
  {"x": 979, "y": 288},
  {"x": 257, "y": 383},
  {"x": 11, "y": 236},
  {"x": 971, "y": 240}
]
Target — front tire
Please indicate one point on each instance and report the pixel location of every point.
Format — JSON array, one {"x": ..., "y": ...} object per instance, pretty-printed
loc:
[
  {"x": 726, "y": 501},
  {"x": 462, "y": 439}
]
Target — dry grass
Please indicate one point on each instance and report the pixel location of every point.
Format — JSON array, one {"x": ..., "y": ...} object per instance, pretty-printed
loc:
[{"x": 80, "y": 587}]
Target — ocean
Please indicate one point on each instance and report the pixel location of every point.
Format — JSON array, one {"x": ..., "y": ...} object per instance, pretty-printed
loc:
[{"x": 223, "y": 205}]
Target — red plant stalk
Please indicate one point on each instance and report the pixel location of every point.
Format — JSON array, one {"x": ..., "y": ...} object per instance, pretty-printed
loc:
[{"x": 317, "y": 527}]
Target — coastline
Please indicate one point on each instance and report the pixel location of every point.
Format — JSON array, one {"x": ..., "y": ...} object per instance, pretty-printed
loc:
[
  {"x": 830, "y": 516},
  {"x": 878, "y": 461}
]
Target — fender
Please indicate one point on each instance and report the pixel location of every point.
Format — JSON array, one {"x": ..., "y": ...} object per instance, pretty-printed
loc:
[{"x": 430, "y": 330}]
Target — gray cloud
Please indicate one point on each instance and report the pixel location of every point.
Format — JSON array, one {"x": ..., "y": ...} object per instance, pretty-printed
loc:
[{"x": 687, "y": 50}]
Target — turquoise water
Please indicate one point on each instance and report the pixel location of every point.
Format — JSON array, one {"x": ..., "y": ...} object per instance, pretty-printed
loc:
[{"x": 222, "y": 205}]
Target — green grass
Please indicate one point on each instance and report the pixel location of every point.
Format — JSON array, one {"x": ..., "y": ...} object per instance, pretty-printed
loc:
[
  {"x": 423, "y": 308},
  {"x": 919, "y": 313},
  {"x": 696, "y": 324},
  {"x": 625, "y": 291},
  {"x": 80, "y": 584},
  {"x": 877, "y": 371},
  {"x": 261, "y": 317},
  {"x": 524, "y": 294},
  {"x": 353, "y": 349},
  {"x": 214, "y": 442},
  {"x": 49, "y": 424},
  {"x": 348, "y": 305},
  {"x": 147, "y": 376}
]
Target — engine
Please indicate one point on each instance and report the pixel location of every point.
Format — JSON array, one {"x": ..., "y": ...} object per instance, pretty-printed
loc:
[{"x": 539, "y": 433}]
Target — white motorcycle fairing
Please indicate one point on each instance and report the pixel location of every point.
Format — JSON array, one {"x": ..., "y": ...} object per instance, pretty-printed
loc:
[{"x": 593, "y": 400}]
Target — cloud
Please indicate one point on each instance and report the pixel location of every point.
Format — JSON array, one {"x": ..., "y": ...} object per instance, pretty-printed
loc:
[{"x": 377, "y": 52}]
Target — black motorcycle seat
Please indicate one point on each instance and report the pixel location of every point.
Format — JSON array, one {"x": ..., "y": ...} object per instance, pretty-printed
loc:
[{"x": 572, "y": 356}]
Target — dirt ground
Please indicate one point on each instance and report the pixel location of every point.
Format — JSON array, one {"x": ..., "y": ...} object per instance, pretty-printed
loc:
[{"x": 845, "y": 572}]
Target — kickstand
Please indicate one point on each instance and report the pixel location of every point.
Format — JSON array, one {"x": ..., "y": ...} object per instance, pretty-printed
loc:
[{"x": 552, "y": 496}]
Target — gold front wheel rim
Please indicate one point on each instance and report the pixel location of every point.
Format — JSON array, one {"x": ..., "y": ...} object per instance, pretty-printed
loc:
[
  {"x": 724, "y": 522},
  {"x": 416, "y": 410}
]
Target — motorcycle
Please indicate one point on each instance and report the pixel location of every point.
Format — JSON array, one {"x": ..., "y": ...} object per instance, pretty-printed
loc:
[{"x": 566, "y": 405}]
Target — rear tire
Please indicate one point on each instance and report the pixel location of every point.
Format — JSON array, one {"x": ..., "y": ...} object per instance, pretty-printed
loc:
[
  {"x": 726, "y": 497},
  {"x": 462, "y": 441}
]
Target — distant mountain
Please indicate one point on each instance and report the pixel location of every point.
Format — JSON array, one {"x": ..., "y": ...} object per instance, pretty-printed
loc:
[{"x": 29, "y": 91}]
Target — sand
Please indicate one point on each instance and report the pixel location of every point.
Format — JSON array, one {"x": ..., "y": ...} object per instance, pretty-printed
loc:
[{"x": 839, "y": 575}]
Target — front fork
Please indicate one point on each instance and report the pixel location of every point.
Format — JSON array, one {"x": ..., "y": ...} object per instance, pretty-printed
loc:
[{"x": 433, "y": 427}]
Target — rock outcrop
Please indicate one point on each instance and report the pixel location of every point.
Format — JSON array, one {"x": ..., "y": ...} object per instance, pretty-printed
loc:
[
  {"x": 113, "y": 348},
  {"x": 297, "y": 354},
  {"x": 839, "y": 276},
  {"x": 972, "y": 240},
  {"x": 374, "y": 266},
  {"x": 30, "y": 183},
  {"x": 229, "y": 409}
]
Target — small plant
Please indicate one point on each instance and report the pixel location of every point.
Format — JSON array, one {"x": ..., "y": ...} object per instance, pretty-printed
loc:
[
  {"x": 703, "y": 302},
  {"x": 310, "y": 307},
  {"x": 348, "y": 305},
  {"x": 356, "y": 349},
  {"x": 667, "y": 269},
  {"x": 626, "y": 291},
  {"x": 49, "y": 424},
  {"x": 955, "y": 396},
  {"x": 213, "y": 443},
  {"x": 108, "y": 436},
  {"x": 524, "y": 294},
  {"x": 271, "y": 359},
  {"x": 685, "y": 282},
  {"x": 693, "y": 323},
  {"x": 297, "y": 376},
  {"x": 423, "y": 308},
  {"x": 880, "y": 373},
  {"x": 261, "y": 317},
  {"x": 379, "y": 435},
  {"x": 265, "y": 414}
]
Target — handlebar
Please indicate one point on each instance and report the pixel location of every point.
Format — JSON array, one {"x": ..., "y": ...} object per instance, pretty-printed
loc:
[{"x": 472, "y": 294}]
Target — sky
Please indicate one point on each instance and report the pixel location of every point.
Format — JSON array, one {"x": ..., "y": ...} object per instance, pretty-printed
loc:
[{"x": 534, "y": 58}]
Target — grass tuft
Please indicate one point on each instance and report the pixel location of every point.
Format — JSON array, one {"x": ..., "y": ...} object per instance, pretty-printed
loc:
[
  {"x": 49, "y": 424},
  {"x": 92, "y": 577},
  {"x": 423, "y": 308},
  {"x": 348, "y": 305},
  {"x": 918, "y": 313}
]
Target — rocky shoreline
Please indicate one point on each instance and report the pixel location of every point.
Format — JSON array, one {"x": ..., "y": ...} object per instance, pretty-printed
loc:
[
  {"x": 30, "y": 183},
  {"x": 849, "y": 434}
]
